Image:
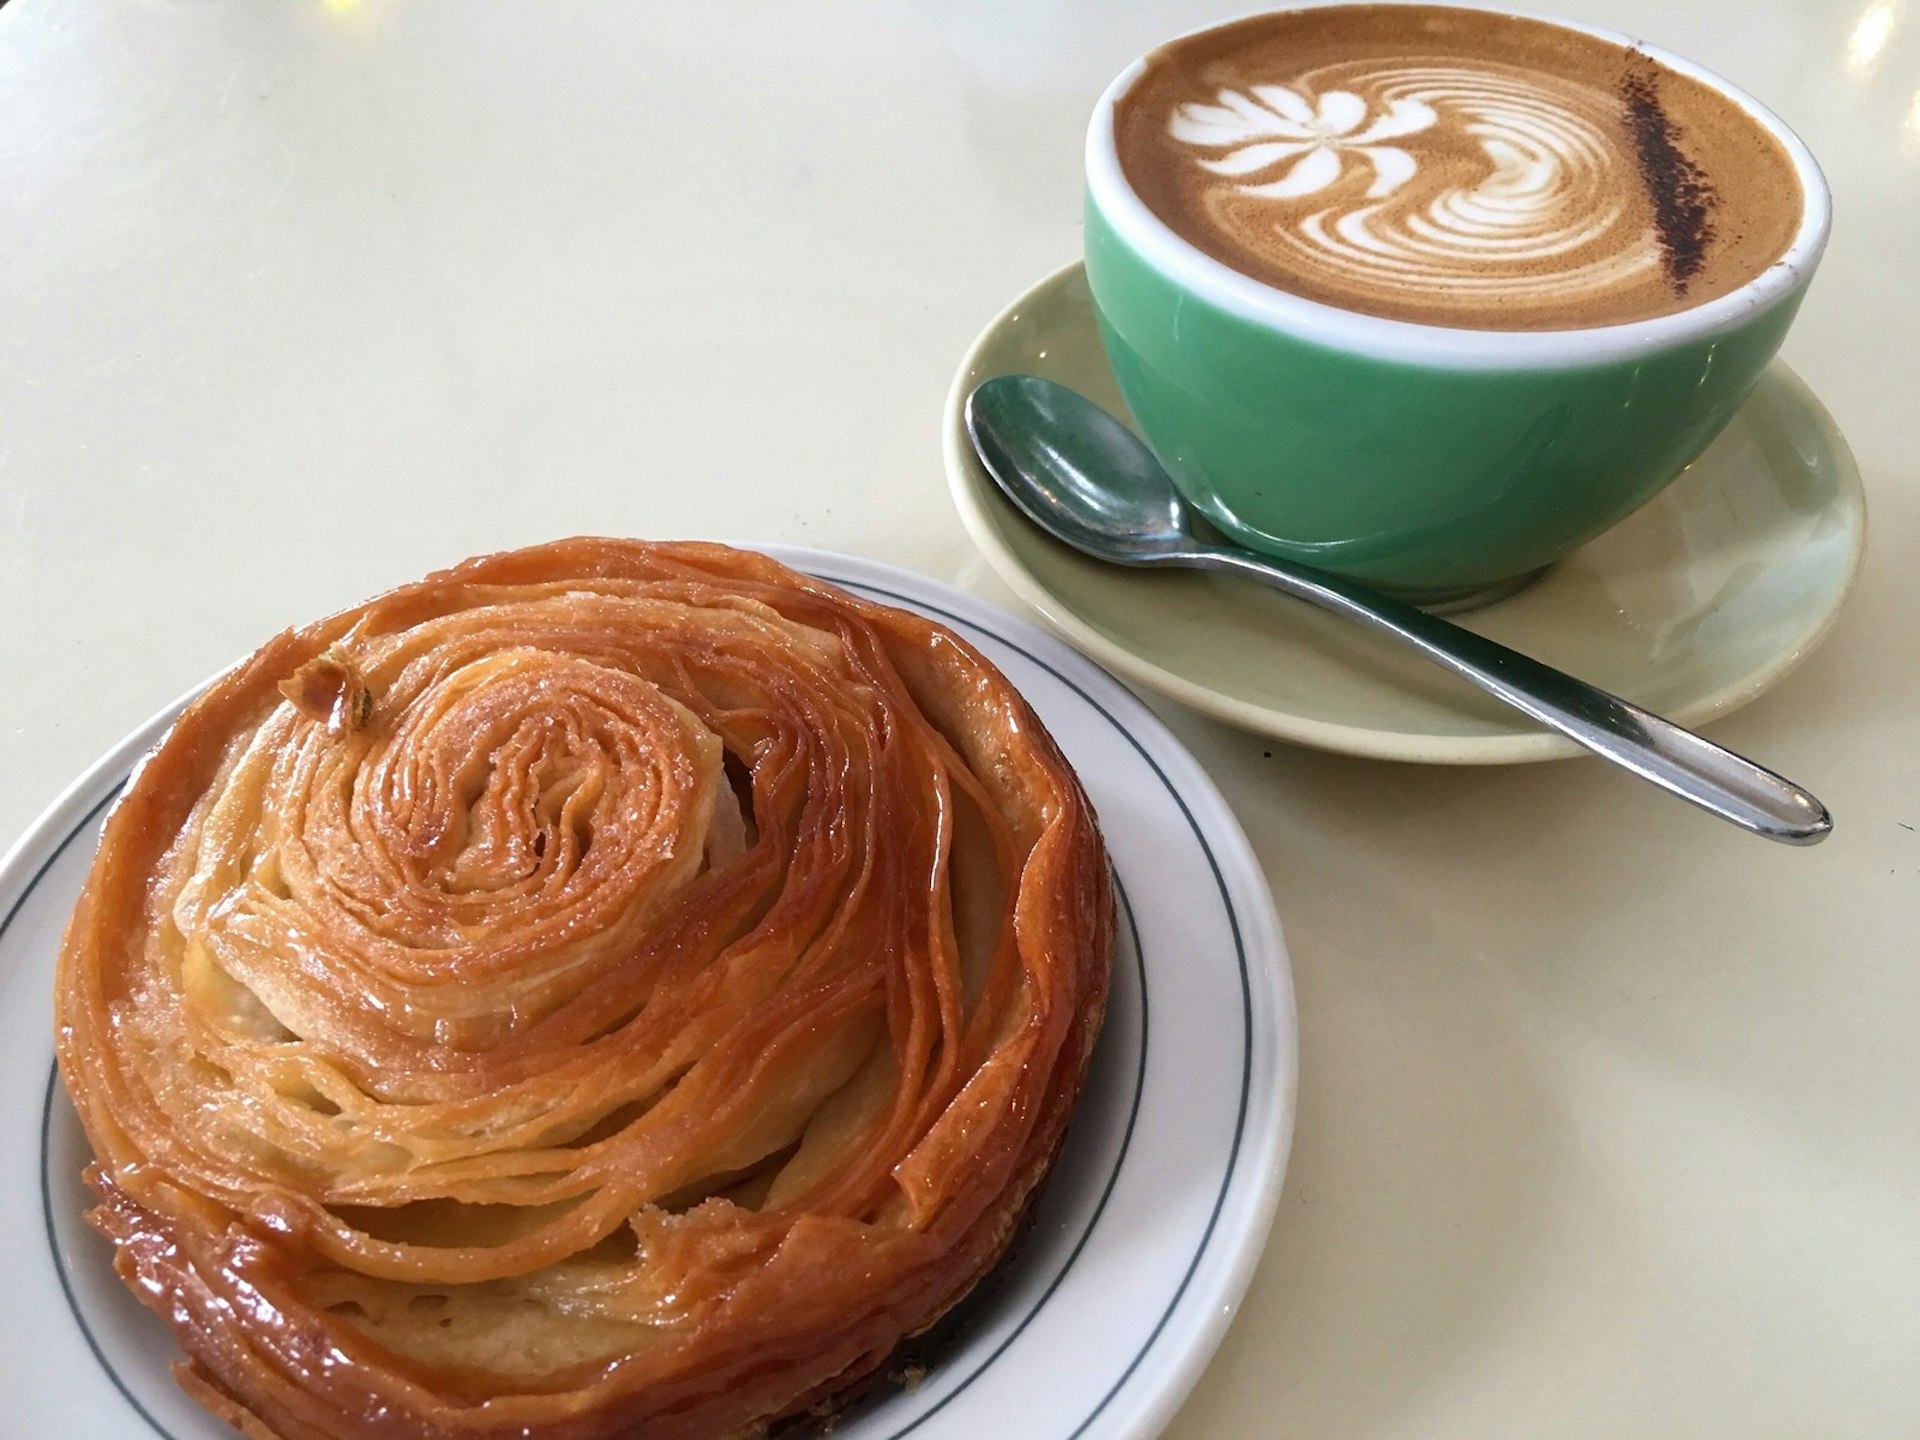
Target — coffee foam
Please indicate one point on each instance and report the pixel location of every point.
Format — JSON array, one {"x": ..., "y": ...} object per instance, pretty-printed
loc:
[{"x": 1455, "y": 167}]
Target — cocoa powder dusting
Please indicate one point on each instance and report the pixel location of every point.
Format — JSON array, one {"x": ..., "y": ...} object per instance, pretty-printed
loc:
[{"x": 1682, "y": 197}]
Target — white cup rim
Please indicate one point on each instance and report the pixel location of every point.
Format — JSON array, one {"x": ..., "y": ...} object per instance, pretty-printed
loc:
[{"x": 1411, "y": 342}]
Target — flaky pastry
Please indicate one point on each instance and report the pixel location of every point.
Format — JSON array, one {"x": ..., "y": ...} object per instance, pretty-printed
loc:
[{"x": 604, "y": 989}]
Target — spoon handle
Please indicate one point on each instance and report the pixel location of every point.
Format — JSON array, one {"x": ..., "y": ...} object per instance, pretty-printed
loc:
[{"x": 1673, "y": 758}]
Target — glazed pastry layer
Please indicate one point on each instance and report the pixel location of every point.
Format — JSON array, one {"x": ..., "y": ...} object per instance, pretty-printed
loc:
[{"x": 605, "y": 989}]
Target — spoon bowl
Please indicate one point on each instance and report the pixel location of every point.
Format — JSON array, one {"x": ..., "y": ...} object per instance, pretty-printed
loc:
[{"x": 1077, "y": 471}]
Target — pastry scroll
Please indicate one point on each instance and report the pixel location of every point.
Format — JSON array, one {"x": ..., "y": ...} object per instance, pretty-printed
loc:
[{"x": 604, "y": 989}]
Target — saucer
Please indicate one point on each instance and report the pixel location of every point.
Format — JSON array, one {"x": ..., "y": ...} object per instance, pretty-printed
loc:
[{"x": 1694, "y": 605}]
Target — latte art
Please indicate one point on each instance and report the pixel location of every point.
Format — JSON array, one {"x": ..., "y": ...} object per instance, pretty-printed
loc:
[
  {"x": 1542, "y": 218},
  {"x": 1450, "y": 166},
  {"x": 1313, "y": 138}
]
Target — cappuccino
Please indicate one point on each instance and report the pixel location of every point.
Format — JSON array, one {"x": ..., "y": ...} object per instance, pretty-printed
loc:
[{"x": 1455, "y": 167}]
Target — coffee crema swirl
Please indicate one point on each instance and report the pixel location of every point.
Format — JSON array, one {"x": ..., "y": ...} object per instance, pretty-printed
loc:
[{"x": 1455, "y": 167}]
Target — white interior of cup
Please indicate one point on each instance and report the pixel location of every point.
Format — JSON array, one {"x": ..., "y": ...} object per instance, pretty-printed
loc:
[{"x": 1455, "y": 347}]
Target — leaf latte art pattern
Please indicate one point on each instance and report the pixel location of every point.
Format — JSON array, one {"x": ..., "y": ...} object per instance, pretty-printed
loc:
[
  {"x": 1281, "y": 125},
  {"x": 1517, "y": 189},
  {"x": 605, "y": 989}
]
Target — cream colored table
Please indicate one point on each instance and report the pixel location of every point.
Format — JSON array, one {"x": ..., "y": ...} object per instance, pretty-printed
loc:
[{"x": 1609, "y": 1116}]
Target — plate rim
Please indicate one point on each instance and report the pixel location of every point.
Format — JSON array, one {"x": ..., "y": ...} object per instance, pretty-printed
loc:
[
  {"x": 968, "y": 486},
  {"x": 1204, "y": 1305}
]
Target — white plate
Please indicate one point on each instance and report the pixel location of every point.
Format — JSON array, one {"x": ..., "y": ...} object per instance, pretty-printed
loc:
[{"x": 1144, "y": 1241}]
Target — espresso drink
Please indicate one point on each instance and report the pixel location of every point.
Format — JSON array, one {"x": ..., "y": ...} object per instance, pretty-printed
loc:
[{"x": 1454, "y": 167}]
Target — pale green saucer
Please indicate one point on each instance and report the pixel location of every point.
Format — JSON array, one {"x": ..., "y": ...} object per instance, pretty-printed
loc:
[{"x": 1693, "y": 606}]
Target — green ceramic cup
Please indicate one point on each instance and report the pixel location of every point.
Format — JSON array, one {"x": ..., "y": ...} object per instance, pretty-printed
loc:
[{"x": 1446, "y": 465}]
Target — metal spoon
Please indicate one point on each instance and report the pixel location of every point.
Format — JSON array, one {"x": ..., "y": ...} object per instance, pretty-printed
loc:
[{"x": 1086, "y": 479}]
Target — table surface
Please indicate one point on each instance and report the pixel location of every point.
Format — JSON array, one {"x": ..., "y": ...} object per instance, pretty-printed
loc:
[{"x": 1609, "y": 1115}]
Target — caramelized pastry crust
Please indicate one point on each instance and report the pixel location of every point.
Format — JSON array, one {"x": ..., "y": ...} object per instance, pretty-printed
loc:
[{"x": 604, "y": 989}]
